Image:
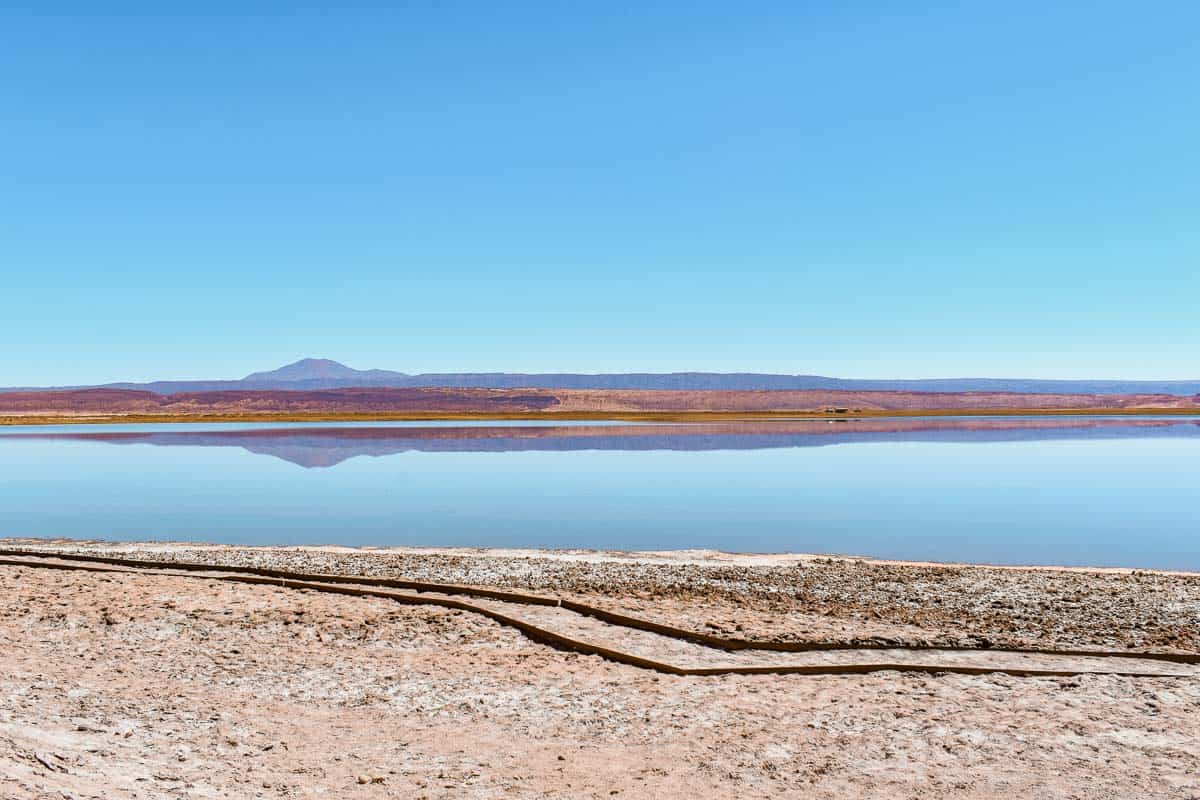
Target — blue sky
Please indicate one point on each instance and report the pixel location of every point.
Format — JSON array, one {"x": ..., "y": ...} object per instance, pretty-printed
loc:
[{"x": 943, "y": 189}]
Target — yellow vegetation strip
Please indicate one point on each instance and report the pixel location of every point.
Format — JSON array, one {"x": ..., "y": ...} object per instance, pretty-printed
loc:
[
  {"x": 385, "y": 588},
  {"x": 680, "y": 415}
]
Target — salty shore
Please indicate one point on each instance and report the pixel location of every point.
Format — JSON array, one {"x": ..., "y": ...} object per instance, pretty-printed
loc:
[{"x": 148, "y": 685}]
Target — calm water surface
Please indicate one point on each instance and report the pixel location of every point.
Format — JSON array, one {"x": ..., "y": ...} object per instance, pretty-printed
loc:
[{"x": 1057, "y": 491}]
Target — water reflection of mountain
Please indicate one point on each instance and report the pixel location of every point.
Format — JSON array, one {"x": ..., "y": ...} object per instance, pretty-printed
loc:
[{"x": 328, "y": 446}]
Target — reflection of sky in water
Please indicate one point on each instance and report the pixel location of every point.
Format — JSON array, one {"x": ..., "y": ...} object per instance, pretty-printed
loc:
[{"x": 1075, "y": 491}]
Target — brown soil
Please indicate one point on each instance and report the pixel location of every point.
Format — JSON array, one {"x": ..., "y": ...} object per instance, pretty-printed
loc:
[{"x": 152, "y": 686}]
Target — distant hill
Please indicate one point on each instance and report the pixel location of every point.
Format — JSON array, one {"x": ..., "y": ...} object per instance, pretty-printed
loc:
[
  {"x": 308, "y": 369},
  {"x": 312, "y": 374},
  {"x": 322, "y": 369}
]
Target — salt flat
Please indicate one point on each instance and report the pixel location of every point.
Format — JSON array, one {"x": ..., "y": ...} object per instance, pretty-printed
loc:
[{"x": 150, "y": 685}]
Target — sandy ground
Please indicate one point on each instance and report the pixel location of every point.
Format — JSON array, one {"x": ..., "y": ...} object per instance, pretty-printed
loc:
[
  {"x": 783, "y": 597},
  {"x": 115, "y": 686}
]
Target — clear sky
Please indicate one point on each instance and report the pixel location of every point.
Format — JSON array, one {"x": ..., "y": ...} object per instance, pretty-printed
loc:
[{"x": 924, "y": 189}]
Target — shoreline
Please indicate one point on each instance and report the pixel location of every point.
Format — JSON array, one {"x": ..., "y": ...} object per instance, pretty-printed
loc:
[
  {"x": 683, "y": 557},
  {"x": 590, "y": 416},
  {"x": 807, "y": 597}
]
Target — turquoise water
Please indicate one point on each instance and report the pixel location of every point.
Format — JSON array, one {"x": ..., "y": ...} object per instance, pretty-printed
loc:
[{"x": 1004, "y": 490}]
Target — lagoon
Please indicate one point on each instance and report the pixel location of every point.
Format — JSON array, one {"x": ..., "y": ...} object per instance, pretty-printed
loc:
[{"x": 1065, "y": 490}]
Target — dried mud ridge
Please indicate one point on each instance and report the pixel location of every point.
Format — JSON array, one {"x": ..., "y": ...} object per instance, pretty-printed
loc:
[{"x": 638, "y": 642}]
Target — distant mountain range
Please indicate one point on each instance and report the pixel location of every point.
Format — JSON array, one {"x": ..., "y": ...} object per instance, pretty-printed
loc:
[{"x": 311, "y": 374}]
